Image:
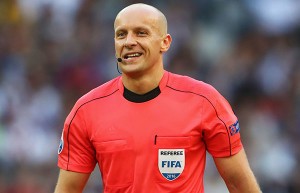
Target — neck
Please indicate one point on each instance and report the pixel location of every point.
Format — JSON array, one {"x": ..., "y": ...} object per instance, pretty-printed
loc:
[{"x": 143, "y": 84}]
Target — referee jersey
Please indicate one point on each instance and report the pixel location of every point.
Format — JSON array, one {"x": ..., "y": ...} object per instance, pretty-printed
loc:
[{"x": 150, "y": 143}]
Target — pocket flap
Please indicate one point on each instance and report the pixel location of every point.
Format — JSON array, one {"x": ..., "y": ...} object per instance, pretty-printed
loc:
[
  {"x": 173, "y": 142},
  {"x": 110, "y": 146}
]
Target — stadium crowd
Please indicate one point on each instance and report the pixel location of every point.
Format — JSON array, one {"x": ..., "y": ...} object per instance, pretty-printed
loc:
[{"x": 52, "y": 52}]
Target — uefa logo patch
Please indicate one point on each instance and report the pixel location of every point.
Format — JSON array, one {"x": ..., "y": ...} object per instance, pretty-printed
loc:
[
  {"x": 171, "y": 163},
  {"x": 61, "y": 145},
  {"x": 234, "y": 128}
]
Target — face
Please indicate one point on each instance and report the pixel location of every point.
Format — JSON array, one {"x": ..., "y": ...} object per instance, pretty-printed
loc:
[{"x": 140, "y": 40}]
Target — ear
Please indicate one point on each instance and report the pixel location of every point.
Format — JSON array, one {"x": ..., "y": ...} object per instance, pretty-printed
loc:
[{"x": 166, "y": 43}]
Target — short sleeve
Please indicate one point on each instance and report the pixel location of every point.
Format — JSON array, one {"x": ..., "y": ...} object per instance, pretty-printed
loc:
[
  {"x": 221, "y": 131},
  {"x": 76, "y": 152}
]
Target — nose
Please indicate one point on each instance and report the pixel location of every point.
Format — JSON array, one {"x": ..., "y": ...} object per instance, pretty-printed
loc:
[{"x": 130, "y": 40}]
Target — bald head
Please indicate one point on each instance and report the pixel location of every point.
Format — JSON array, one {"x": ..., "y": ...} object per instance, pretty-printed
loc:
[{"x": 141, "y": 10}]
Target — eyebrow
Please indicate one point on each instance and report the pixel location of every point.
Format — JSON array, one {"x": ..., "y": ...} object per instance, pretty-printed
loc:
[{"x": 121, "y": 29}]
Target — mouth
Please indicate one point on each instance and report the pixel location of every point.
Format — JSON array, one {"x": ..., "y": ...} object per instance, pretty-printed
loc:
[{"x": 132, "y": 55}]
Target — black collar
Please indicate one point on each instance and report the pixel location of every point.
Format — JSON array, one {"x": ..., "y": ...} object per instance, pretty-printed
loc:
[{"x": 140, "y": 98}]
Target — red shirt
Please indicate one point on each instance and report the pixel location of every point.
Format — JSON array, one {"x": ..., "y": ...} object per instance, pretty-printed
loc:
[{"x": 152, "y": 143}]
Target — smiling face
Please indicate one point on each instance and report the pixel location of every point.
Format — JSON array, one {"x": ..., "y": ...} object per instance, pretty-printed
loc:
[{"x": 140, "y": 39}]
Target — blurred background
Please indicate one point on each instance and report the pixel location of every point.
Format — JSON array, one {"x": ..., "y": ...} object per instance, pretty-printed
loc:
[{"x": 52, "y": 52}]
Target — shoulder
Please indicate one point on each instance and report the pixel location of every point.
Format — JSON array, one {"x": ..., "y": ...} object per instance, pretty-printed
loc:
[
  {"x": 190, "y": 85},
  {"x": 105, "y": 90},
  {"x": 211, "y": 99},
  {"x": 197, "y": 90}
]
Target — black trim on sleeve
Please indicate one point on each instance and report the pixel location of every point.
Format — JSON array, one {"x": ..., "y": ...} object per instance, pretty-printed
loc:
[
  {"x": 229, "y": 141},
  {"x": 69, "y": 127}
]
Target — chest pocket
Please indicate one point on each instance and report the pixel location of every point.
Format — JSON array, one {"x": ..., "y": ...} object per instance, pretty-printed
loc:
[
  {"x": 171, "y": 158},
  {"x": 172, "y": 142},
  {"x": 117, "y": 162},
  {"x": 178, "y": 161}
]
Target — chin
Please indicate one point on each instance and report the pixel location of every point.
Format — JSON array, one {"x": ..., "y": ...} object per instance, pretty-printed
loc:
[{"x": 132, "y": 71}]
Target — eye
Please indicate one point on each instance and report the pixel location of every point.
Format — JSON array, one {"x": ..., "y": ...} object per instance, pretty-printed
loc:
[
  {"x": 120, "y": 34},
  {"x": 142, "y": 33}
]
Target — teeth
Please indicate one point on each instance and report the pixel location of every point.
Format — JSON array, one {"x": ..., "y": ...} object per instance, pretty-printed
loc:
[{"x": 133, "y": 55}]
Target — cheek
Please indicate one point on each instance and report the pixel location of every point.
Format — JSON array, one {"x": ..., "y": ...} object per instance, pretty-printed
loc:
[
  {"x": 156, "y": 49},
  {"x": 157, "y": 45},
  {"x": 118, "y": 45}
]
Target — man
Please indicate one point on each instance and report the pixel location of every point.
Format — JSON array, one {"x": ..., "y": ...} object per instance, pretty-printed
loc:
[{"x": 149, "y": 129}]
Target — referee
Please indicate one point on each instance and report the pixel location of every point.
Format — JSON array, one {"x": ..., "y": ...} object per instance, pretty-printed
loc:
[{"x": 149, "y": 129}]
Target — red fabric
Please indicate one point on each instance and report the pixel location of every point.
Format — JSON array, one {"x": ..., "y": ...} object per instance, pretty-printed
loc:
[{"x": 124, "y": 137}]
